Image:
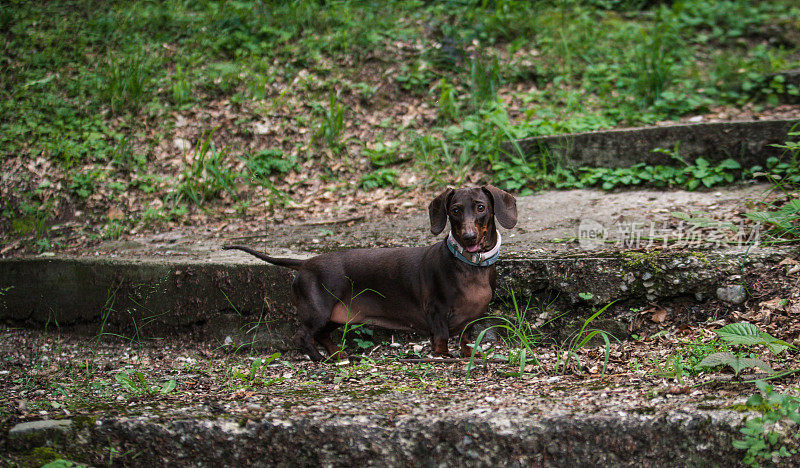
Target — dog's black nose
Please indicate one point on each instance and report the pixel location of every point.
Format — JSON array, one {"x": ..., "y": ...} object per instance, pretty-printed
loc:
[{"x": 470, "y": 237}]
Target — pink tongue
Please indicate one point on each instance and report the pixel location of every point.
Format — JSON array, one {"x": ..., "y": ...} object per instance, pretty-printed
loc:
[{"x": 473, "y": 248}]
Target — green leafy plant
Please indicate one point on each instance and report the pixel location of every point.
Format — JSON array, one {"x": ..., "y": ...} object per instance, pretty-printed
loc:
[
  {"x": 251, "y": 377},
  {"x": 484, "y": 79},
  {"x": 29, "y": 219},
  {"x": 363, "y": 338},
  {"x": 137, "y": 382},
  {"x": 268, "y": 162},
  {"x": 377, "y": 179},
  {"x": 489, "y": 352},
  {"x": 83, "y": 184},
  {"x": 384, "y": 153},
  {"x": 767, "y": 438},
  {"x": 782, "y": 220},
  {"x": 448, "y": 100},
  {"x": 181, "y": 88},
  {"x": 747, "y": 335},
  {"x": 124, "y": 157},
  {"x": 416, "y": 77},
  {"x": 654, "y": 66},
  {"x": 350, "y": 325},
  {"x": 61, "y": 463}
]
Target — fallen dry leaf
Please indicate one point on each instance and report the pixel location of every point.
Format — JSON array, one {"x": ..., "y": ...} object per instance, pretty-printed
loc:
[
  {"x": 659, "y": 316},
  {"x": 114, "y": 213}
]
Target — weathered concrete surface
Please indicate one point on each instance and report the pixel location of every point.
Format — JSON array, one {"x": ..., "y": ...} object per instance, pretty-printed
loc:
[
  {"x": 747, "y": 142},
  {"x": 479, "y": 437},
  {"x": 186, "y": 285},
  {"x": 249, "y": 303},
  {"x": 41, "y": 433},
  {"x": 150, "y": 298}
]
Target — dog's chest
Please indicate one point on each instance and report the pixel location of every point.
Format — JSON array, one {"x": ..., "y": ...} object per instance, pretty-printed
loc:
[{"x": 473, "y": 296}]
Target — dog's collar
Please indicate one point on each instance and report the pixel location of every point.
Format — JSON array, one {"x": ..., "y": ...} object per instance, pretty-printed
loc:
[{"x": 476, "y": 259}]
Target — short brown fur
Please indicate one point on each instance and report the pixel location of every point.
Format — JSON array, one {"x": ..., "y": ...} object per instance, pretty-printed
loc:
[{"x": 422, "y": 289}]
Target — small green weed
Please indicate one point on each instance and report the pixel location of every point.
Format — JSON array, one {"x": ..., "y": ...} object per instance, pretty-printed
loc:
[
  {"x": 415, "y": 78},
  {"x": 61, "y": 463},
  {"x": 363, "y": 338},
  {"x": 207, "y": 175},
  {"x": 520, "y": 336},
  {"x": 29, "y": 219},
  {"x": 376, "y": 179},
  {"x": 125, "y": 82},
  {"x": 767, "y": 438},
  {"x": 687, "y": 361},
  {"x": 251, "y": 378},
  {"x": 448, "y": 101},
  {"x": 384, "y": 153},
  {"x": 653, "y": 67},
  {"x": 484, "y": 80},
  {"x": 782, "y": 220},
  {"x": 138, "y": 383},
  {"x": 268, "y": 162},
  {"x": 181, "y": 87},
  {"x": 332, "y": 124},
  {"x": 124, "y": 158},
  {"x": 566, "y": 351},
  {"x": 83, "y": 184}
]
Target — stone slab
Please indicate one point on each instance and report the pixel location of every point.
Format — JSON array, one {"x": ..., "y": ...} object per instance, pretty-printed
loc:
[{"x": 748, "y": 142}]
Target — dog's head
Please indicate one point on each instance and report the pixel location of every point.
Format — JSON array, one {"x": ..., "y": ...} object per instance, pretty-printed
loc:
[{"x": 472, "y": 212}]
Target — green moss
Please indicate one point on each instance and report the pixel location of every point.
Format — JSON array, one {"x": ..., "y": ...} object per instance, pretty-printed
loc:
[
  {"x": 42, "y": 456},
  {"x": 740, "y": 407},
  {"x": 644, "y": 410},
  {"x": 644, "y": 259},
  {"x": 83, "y": 422},
  {"x": 364, "y": 394},
  {"x": 708, "y": 407}
]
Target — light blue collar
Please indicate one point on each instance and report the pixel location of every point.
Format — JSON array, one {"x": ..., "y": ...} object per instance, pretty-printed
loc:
[{"x": 475, "y": 259}]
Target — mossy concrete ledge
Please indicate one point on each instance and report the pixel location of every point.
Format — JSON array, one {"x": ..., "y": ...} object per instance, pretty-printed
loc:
[
  {"x": 478, "y": 437},
  {"x": 603, "y": 278},
  {"x": 147, "y": 298},
  {"x": 249, "y": 302},
  {"x": 748, "y": 142}
]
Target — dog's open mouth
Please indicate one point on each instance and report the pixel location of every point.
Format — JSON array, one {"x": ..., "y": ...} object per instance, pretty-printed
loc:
[{"x": 473, "y": 248}]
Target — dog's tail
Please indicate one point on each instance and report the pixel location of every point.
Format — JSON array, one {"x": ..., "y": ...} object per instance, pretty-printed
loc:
[{"x": 292, "y": 263}]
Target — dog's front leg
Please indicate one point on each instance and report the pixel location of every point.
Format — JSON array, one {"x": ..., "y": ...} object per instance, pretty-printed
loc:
[
  {"x": 437, "y": 322},
  {"x": 466, "y": 351}
]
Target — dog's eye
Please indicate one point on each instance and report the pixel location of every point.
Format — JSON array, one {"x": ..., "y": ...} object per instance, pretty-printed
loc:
[
  {"x": 455, "y": 210},
  {"x": 480, "y": 207}
]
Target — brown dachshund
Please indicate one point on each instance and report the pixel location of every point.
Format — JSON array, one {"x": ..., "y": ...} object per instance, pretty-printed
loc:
[{"x": 439, "y": 289}]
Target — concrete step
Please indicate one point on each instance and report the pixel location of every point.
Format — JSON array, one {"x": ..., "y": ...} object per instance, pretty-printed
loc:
[
  {"x": 577, "y": 249},
  {"x": 480, "y": 436}
]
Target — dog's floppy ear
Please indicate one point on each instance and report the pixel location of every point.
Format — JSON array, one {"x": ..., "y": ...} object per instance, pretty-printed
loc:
[
  {"x": 505, "y": 206},
  {"x": 438, "y": 211}
]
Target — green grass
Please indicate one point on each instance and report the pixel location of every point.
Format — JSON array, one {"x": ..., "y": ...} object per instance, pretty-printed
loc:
[{"x": 96, "y": 92}]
